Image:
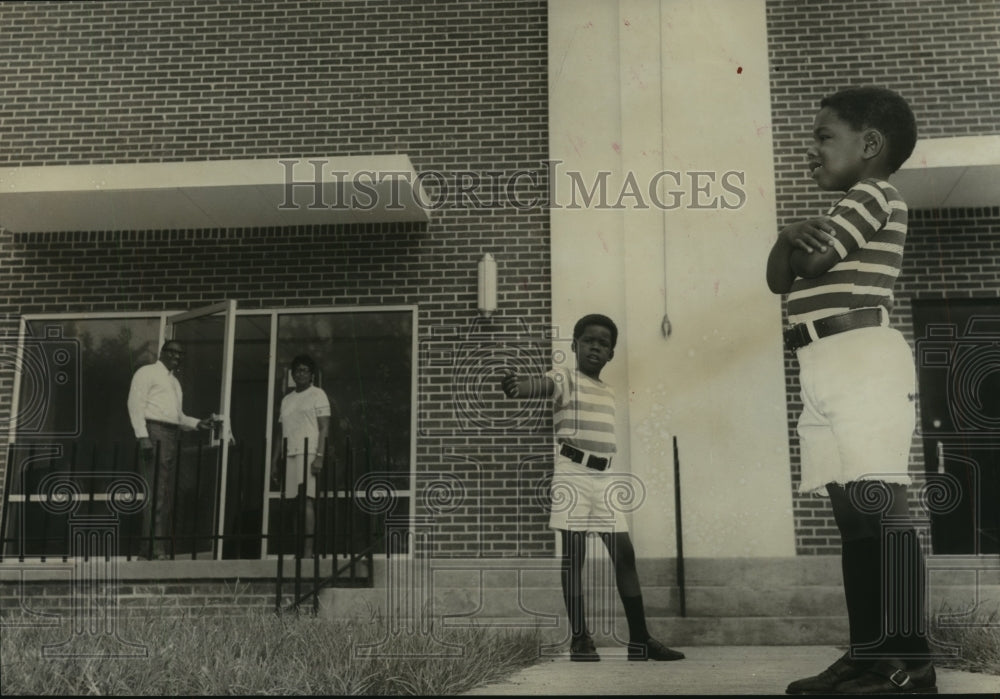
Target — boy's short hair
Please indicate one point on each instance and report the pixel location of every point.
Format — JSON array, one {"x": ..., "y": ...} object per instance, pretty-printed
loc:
[
  {"x": 303, "y": 360},
  {"x": 596, "y": 319},
  {"x": 882, "y": 109}
]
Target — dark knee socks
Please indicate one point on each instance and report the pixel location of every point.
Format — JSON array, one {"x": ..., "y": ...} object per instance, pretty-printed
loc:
[
  {"x": 575, "y": 612},
  {"x": 906, "y": 610},
  {"x": 635, "y": 614},
  {"x": 626, "y": 578},
  {"x": 884, "y": 575},
  {"x": 884, "y": 590},
  {"x": 860, "y": 561}
]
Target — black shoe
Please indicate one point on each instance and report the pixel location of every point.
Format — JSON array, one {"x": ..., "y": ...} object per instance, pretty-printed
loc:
[
  {"x": 842, "y": 670},
  {"x": 892, "y": 677},
  {"x": 583, "y": 650},
  {"x": 651, "y": 649}
]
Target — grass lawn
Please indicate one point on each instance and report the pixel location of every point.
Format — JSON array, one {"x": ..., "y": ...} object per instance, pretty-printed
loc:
[
  {"x": 977, "y": 639},
  {"x": 263, "y": 653},
  {"x": 257, "y": 653}
]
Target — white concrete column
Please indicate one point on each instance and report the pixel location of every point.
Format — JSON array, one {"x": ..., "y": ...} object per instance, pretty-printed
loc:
[
  {"x": 645, "y": 423},
  {"x": 675, "y": 93}
]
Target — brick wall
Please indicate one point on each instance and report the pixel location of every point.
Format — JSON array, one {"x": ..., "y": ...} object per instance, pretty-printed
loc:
[
  {"x": 169, "y": 597},
  {"x": 942, "y": 56},
  {"x": 458, "y": 86}
]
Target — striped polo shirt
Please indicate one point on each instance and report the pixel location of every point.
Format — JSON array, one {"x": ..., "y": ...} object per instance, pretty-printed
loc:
[
  {"x": 583, "y": 411},
  {"x": 870, "y": 225}
]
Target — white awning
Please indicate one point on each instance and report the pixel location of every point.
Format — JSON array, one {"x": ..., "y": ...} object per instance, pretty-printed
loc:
[
  {"x": 959, "y": 172},
  {"x": 211, "y": 194}
]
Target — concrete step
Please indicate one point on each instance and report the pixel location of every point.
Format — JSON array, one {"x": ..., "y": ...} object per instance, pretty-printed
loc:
[
  {"x": 748, "y": 630},
  {"x": 744, "y": 601},
  {"x": 609, "y": 627}
]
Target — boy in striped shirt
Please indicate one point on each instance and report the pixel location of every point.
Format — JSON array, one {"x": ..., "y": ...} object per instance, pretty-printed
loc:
[
  {"x": 584, "y": 425},
  {"x": 858, "y": 384}
]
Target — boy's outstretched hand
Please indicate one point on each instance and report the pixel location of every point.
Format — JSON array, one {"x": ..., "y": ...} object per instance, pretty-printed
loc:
[{"x": 510, "y": 384}]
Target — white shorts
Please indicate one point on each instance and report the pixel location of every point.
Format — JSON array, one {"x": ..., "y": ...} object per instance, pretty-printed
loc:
[
  {"x": 587, "y": 500},
  {"x": 295, "y": 467},
  {"x": 858, "y": 416}
]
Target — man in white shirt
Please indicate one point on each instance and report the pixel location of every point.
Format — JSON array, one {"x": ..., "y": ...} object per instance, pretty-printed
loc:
[{"x": 155, "y": 408}]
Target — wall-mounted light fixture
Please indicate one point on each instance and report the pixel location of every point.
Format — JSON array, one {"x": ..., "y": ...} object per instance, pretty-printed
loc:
[{"x": 487, "y": 286}]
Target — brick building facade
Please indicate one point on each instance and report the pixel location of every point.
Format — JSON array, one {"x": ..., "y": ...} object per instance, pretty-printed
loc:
[{"x": 461, "y": 88}]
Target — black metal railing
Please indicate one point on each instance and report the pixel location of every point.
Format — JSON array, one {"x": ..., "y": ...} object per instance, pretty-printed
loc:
[
  {"x": 344, "y": 536},
  {"x": 53, "y": 490}
]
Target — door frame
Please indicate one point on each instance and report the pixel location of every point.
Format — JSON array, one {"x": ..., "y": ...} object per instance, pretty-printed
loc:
[{"x": 228, "y": 309}]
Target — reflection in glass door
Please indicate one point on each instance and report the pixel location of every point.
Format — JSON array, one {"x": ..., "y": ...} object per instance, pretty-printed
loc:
[
  {"x": 364, "y": 363},
  {"x": 207, "y": 335}
]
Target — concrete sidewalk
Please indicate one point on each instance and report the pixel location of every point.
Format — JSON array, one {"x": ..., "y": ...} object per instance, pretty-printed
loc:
[{"x": 705, "y": 670}]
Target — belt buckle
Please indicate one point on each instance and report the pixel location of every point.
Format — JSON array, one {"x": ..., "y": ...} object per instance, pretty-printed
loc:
[
  {"x": 597, "y": 463},
  {"x": 797, "y": 336},
  {"x": 571, "y": 453}
]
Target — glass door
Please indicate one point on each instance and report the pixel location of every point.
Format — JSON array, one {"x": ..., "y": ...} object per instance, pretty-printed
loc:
[
  {"x": 958, "y": 369},
  {"x": 207, "y": 335},
  {"x": 365, "y": 366}
]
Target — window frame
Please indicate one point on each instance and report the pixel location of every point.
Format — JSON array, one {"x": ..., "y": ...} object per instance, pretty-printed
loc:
[{"x": 273, "y": 313}]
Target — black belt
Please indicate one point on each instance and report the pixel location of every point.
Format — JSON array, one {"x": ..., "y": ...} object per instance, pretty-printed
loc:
[
  {"x": 798, "y": 335},
  {"x": 598, "y": 463},
  {"x": 161, "y": 423}
]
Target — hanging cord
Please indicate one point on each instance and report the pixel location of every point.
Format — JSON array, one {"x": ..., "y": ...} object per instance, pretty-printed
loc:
[{"x": 665, "y": 327}]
